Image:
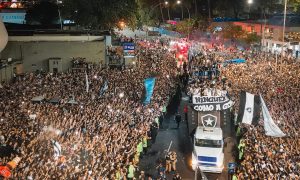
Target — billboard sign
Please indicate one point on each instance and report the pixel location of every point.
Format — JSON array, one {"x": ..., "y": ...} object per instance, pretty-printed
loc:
[
  {"x": 128, "y": 49},
  {"x": 16, "y": 18}
]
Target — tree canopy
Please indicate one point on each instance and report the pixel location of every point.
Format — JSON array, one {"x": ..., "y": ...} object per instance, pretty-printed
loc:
[
  {"x": 101, "y": 14},
  {"x": 44, "y": 13}
]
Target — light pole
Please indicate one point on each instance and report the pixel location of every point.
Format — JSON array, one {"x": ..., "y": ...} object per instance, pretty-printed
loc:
[
  {"x": 159, "y": 4},
  {"x": 59, "y": 2},
  {"x": 179, "y": 3},
  {"x": 167, "y": 5},
  {"x": 250, "y": 2},
  {"x": 263, "y": 31},
  {"x": 283, "y": 30},
  {"x": 209, "y": 14}
]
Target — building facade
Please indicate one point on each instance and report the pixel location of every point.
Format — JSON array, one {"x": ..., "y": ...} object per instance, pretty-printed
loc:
[{"x": 49, "y": 53}]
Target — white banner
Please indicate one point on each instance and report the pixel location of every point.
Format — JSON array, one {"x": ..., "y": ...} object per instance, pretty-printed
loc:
[{"x": 271, "y": 129}]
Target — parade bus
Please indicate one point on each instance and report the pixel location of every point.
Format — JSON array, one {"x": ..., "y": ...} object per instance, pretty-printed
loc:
[{"x": 209, "y": 124}]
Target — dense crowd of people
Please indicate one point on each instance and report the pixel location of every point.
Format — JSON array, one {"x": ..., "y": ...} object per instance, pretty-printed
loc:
[
  {"x": 270, "y": 157},
  {"x": 264, "y": 157},
  {"x": 100, "y": 134}
]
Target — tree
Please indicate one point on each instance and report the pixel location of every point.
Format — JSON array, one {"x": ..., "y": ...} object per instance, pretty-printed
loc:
[
  {"x": 101, "y": 14},
  {"x": 233, "y": 32},
  {"x": 269, "y": 6},
  {"x": 227, "y": 8},
  {"x": 295, "y": 4},
  {"x": 252, "y": 38},
  {"x": 147, "y": 14},
  {"x": 44, "y": 13},
  {"x": 186, "y": 26}
]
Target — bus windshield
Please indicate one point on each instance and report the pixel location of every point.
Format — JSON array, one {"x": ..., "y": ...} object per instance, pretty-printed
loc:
[{"x": 208, "y": 143}]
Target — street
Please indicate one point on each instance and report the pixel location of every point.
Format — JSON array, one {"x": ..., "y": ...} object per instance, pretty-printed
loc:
[{"x": 181, "y": 143}]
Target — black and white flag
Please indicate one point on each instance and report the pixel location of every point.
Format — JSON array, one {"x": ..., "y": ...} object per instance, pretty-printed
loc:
[
  {"x": 57, "y": 149},
  {"x": 271, "y": 129},
  {"x": 249, "y": 109}
]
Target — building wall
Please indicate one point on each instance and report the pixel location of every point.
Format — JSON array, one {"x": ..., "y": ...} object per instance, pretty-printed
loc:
[
  {"x": 276, "y": 47},
  {"x": 36, "y": 55},
  {"x": 6, "y": 73},
  {"x": 271, "y": 31}
]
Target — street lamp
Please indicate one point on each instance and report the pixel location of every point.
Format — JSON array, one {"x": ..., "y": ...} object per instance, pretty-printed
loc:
[
  {"x": 159, "y": 4},
  {"x": 167, "y": 3},
  {"x": 179, "y": 2},
  {"x": 283, "y": 30},
  {"x": 250, "y": 2},
  {"x": 122, "y": 24},
  {"x": 59, "y": 14}
]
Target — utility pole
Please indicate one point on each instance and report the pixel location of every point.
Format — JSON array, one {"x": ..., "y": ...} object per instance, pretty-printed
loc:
[
  {"x": 283, "y": 31},
  {"x": 61, "y": 24},
  {"x": 209, "y": 14},
  {"x": 161, "y": 11},
  {"x": 196, "y": 8}
]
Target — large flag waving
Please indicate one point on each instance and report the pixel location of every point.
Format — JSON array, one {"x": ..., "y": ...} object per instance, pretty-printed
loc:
[
  {"x": 87, "y": 82},
  {"x": 249, "y": 109},
  {"x": 271, "y": 129},
  {"x": 149, "y": 86}
]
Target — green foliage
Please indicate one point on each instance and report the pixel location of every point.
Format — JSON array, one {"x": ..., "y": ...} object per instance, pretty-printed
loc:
[
  {"x": 101, "y": 14},
  {"x": 186, "y": 26},
  {"x": 252, "y": 38},
  {"x": 201, "y": 23},
  {"x": 146, "y": 14},
  {"x": 233, "y": 32},
  {"x": 295, "y": 4},
  {"x": 228, "y": 8},
  {"x": 43, "y": 12},
  {"x": 236, "y": 32}
]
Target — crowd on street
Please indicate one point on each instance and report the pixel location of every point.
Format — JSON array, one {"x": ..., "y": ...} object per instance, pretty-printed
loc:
[
  {"x": 270, "y": 157},
  {"x": 103, "y": 127},
  {"x": 263, "y": 157},
  {"x": 102, "y": 134}
]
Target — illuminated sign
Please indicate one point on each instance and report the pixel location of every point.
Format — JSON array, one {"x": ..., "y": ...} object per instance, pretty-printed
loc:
[
  {"x": 128, "y": 49},
  {"x": 17, "y": 18}
]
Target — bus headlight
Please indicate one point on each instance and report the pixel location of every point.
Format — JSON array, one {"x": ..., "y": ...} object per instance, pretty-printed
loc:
[{"x": 194, "y": 159}]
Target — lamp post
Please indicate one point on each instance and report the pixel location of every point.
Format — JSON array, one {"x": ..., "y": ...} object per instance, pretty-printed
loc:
[
  {"x": 283, "y": 30},
  {"x": 209, "y": 13},
  {"x": 59, "y": 2},
  {"x": 179, "y": 3},
  {"x": 167, "y": 4},
  {"x": 159, "y": 4},
  {"x": 250, "y": 2}
]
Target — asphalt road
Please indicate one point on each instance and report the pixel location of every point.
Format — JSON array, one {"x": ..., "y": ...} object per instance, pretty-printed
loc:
[{"x": 179, "y": 141}]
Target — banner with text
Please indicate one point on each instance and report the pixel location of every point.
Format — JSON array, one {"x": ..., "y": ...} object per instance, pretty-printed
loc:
[{"x": 211, "y": 103}]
